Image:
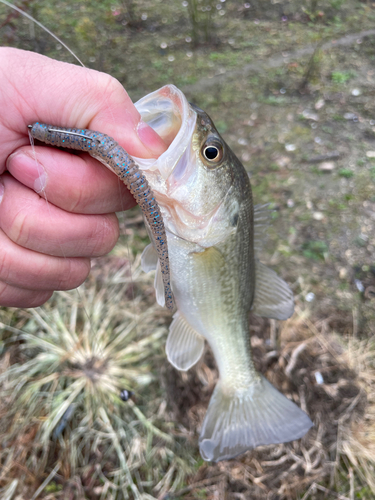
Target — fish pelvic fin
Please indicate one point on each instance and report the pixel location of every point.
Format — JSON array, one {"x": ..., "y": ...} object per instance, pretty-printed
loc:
[
  {"x": 273, "y": 298},
  {"x": 150, "y": 262},
  {"x": 247, "y": 418},
  {"x": 184, "y": 345},
  {"x": 159, "y": 286},
  {"x": 149, "y": 259}
]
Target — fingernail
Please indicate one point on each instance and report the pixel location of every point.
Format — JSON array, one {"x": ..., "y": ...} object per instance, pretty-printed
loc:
[
  {"x": 150, "y": 139},
  {"x": 1, "y": 189},
  {"x": 29, "y": 170}
]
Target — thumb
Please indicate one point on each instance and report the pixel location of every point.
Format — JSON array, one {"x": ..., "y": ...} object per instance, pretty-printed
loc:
[{"x": 37, "y": 88}]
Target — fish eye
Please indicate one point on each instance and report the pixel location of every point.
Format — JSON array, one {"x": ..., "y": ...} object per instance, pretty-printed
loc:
[{"x": 212, "y": 151}]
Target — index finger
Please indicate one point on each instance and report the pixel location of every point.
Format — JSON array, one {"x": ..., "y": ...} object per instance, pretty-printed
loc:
[{"x": 37, "y": 88}]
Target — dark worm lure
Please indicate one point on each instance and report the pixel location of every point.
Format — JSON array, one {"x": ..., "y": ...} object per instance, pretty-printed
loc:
[{"x": 107, "y": 151}]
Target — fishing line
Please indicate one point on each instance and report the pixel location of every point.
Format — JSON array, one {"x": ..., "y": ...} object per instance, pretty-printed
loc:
[
  {"x": 25, "y": 14},
  {"x": 41, "y": 171}
]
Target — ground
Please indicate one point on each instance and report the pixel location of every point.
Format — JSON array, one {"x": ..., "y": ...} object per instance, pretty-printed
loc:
[{"x": 290, "y": 85}]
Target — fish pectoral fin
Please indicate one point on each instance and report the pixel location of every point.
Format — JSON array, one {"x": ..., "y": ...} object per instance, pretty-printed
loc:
[
  {"x": 240, "y": 420},
  {"x": 273, "y": 298},
  {"x": 159, "y": 286},
  {"x": 149, "y": 259},
  {"x": 184, "y": 345}
]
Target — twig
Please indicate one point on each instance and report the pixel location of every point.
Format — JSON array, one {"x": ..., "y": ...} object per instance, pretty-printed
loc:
[
  {"x": 316, "y": 486},
  {"x": 51, "y": 475},
  {"x": 351, "y": 480},
  {"x": 319, "y": 158},
  {"x": 148, "y": 424},
  {"x": 273, "y": 333},
  {"x": 274, "y": 463},
  {"x": 293, "y": 359},
  {"x": 199, "y": 484},
  {"x": 8, "y": 494},
  {"x": 307, "y": 494},
  {"x": 336, "y": 495},
  {"x": 355, "y": 322}
]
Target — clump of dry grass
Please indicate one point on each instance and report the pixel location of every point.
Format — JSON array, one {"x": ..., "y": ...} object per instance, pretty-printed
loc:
[
  {"x": 358, "y": 445},
  {"x": 62, "y": 418}
]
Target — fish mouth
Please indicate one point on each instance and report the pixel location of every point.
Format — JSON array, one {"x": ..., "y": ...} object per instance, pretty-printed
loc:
[{"x": 169, "y": 114}]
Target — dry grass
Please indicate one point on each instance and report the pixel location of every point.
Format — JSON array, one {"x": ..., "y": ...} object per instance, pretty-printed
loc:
[
  {"x": 65, "y": 432},
  {"x": 63, "y": 421},
  {"x": 358, "y": 445},
  {"x": 332, "y": 382}
]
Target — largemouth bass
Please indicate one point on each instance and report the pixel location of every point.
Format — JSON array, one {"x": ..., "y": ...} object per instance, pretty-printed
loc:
[{"x": 205, "y": 197}]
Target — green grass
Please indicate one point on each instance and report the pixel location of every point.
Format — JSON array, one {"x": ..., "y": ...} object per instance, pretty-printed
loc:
[
  {"x": 315, "y": 250},
  {"x": 342, "y": 76},
  {"x": 346, "y": 172}
]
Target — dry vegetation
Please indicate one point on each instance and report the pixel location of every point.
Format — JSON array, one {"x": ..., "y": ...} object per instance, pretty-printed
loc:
[
  {"x": 65, "y": 433},
  {"x": 82, "y": 349}
]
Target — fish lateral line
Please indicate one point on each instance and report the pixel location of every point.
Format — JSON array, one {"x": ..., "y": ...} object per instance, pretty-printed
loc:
[{"x": 105, "y": 149}]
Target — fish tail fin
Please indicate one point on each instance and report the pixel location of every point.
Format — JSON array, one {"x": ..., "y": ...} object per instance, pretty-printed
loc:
[{"x": 239, "y": 421}]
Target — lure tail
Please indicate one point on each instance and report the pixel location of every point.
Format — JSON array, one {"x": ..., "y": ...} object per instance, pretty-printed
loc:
[{"x": 239, "y": 421}]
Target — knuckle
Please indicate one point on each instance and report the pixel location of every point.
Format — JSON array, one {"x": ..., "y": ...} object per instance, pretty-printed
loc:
[
  {"x": 74, "y": 274},
  {"x": 38, "y": 298},
  {"x": 17, "y": 228},
  {"x": 5, "y": 265},
  {"x": 110, "y": 86},
  {"x": 11, "y": 296},
  {"x": 105, "y": 235},
  {"x": 77, "y": 201}
]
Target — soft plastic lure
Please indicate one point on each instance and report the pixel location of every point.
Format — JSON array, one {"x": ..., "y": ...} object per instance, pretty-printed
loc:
[{"x": 107, "y": 151}]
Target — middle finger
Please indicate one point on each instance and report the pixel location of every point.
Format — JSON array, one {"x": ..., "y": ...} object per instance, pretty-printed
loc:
[
  {"x": 34, "y": 223},
  {"x": 76, "y": 183}
]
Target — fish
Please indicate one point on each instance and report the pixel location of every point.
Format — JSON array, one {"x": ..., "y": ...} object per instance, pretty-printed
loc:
[
  {"x": 204, "y": 241},
  {"x": 217, "y": 279}
]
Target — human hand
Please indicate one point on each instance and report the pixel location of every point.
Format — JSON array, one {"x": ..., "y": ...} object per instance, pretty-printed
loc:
[{"x": 57, "y": 208}]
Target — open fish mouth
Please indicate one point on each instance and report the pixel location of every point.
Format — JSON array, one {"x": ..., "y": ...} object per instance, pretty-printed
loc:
[{"x": 169, "y": 113}]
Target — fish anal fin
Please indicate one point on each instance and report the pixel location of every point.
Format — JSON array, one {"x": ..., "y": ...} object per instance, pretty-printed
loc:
[
  {"x": 184, "y": 345},
  {"x": 149, "y": 259},
  {"x": 244, "y": 419},
  {"x": 273, "y": 298}
]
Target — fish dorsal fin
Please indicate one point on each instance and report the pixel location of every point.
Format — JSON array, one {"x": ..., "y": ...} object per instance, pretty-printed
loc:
[
  {"x": 184, "y": 345},
  {"x": 273, "y": 297},
  {"x": 159, "y": 286},
  {"x": 262, "y": 215},
  {"x": 149, "y": 259}
]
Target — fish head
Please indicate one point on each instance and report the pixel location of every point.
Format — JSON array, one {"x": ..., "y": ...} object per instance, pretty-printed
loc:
[{"x": 194, "y": 179}]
